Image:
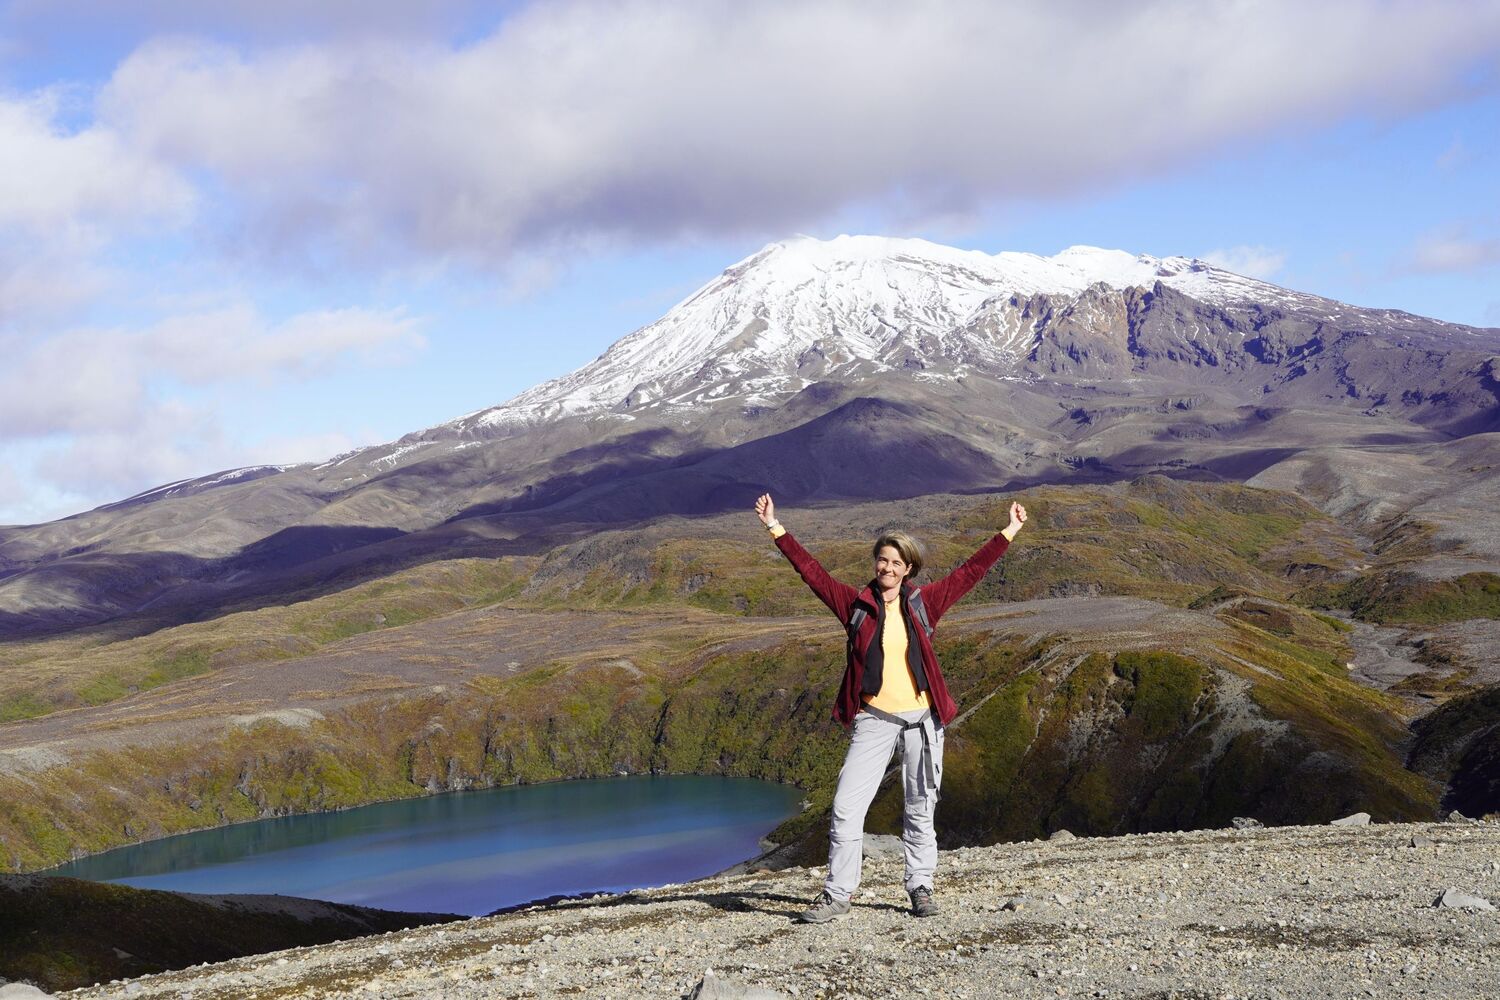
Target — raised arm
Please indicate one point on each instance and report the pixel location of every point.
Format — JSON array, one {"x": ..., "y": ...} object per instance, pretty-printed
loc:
[
  {"x": 837, "y": 595},
  {"x": 940, "y": 595}
]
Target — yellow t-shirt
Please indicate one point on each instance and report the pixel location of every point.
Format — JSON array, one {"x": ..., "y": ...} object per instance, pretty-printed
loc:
[{"x": 898, "y": 688}]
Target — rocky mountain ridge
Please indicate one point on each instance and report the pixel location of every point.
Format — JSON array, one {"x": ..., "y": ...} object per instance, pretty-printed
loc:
[
  {"x": 807, "y": 311},
  {"x": 803, "y": 311},
  {"x": 1088, "y": 366}
]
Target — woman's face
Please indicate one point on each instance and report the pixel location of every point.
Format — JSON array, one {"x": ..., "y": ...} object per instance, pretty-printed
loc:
[{"x": 890, "y": 568}]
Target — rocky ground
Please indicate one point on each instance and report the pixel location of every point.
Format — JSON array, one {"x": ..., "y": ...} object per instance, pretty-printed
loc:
[{"x": 1287, "y": 912}]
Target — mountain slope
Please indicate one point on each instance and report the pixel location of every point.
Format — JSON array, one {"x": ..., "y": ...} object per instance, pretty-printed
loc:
[{"x": 994, "y": 371}]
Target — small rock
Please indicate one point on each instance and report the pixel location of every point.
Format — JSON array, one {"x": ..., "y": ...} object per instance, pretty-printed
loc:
[
  {"x": 1061, "y": 835},
  {"x": 1015, "y": 903},
  {"x": 1358, "y": 819},
  {"x": 1063, "y": 899},
  {"x": 1457, "y": 899},
  {"x": 1246, "y": 823},
  {"x": 22, "y": 991},
  {"x": 711, "y": 987},
  {"x": 1457, "y": 817},
  {"x": 1422, "y": 842},
  {"x": 883, "y": 845}
]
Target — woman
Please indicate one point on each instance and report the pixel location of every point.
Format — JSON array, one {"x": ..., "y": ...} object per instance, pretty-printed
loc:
[{"x": 892, "y": 693}]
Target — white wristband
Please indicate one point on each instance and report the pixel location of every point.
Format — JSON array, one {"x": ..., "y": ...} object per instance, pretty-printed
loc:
[{"x": 773, "y": 525}]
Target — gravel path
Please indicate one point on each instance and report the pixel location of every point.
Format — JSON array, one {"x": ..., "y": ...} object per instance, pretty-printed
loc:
[
  {"x": 1289, "y": 912},
  {"x": 1382, "y": 654}
]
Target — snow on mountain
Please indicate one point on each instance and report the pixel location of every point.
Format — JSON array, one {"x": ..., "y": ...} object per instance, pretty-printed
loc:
[{"x": 804, "y": 309}]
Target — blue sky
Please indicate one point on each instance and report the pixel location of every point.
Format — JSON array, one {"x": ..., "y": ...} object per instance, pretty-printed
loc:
[{"x": 242, "y": 233}]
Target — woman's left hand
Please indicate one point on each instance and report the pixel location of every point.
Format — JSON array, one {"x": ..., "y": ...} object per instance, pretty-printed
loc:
[{"x": 1017, "y": 518}]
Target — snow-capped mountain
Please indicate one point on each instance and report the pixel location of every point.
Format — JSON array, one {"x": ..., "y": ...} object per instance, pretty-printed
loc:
[
  {"x": 802, "y": 368},
  {"x": 807, "y": 310}
]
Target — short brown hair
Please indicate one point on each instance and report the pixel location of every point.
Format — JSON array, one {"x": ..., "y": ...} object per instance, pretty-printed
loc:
[{"x": 905, "y": 545}]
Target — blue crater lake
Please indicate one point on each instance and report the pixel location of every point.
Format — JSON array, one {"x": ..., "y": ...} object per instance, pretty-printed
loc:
[{"x": 471, "y": 852}]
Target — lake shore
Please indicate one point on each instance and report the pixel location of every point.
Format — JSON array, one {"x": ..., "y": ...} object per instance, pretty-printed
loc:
[
  {"x": 472, "y": 852},
  {"x": 1283, "y": 912}
]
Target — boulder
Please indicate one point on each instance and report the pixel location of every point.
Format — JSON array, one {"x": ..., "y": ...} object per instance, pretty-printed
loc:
[
  {"x": 711, "y": 987},
  {"x": 1358, "y": 819},
  {"x": 882, "y": 845},
  {"x": 1457, "y": 899},
  {"x": 1061, "y": 835},
  {"x": 1246, "y": 823},
  {"x": 22, "y": 991}
]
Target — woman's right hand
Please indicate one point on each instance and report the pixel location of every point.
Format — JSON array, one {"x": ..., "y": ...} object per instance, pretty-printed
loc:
[{"x": 765, "y": 509}]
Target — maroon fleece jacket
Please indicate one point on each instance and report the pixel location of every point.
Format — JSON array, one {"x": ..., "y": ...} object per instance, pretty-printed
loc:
[{"x": 938, "y": 597}]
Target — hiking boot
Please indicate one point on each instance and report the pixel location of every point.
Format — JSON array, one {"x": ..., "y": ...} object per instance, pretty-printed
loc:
[
  {"x": 922, "y": 904},
  {"x": 824, "y": 909}
]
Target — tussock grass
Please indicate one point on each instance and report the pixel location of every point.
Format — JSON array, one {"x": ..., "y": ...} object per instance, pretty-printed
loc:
[
  {"x": 44, "y": 676},
  {"x": 1396, "y": 597},
  {"x": 1099, "y": 740},
  {"x": 1154, "y": 538}
]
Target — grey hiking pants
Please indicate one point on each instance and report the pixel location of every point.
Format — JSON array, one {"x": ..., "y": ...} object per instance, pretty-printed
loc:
[{"x": 875, "y": 737}]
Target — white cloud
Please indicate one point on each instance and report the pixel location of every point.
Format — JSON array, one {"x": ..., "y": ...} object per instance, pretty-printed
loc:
[
  {"x": 1251, "y": 261},
  {"x": 34, "y": 507},
  {"x": 91, "y": 415},
  {"x": 167, "y": 441},
  {"x": 1452, "y": 249},
  {"x": 12, "y": 490},
  {"x": 23, "y": 498},
  {"x": 56, "y": 183},
  {"x": 42, "y": 281},
  {"x": 65, "y": 195},
  {"x": 593, "y": 120},
  {"x": 235, "y": 342},
  {"x": 100, "y": 381},
  {"x": 82, "y": 380},
  {"x": 307, "y": 447}
]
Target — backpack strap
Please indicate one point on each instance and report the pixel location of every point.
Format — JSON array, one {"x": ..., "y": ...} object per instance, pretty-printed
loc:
[
  {"x": 856, "y": 619},
  {"x": 913, "y": 600},
  {"x": 919, "y": 611}
]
